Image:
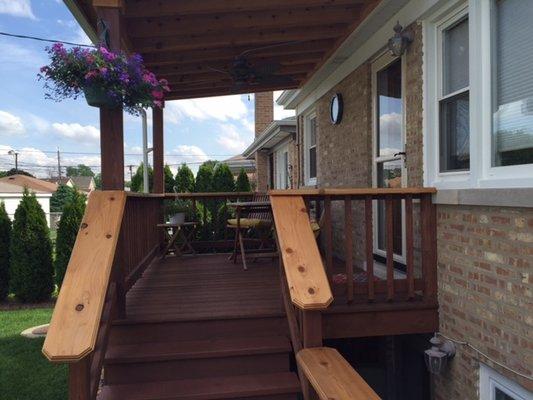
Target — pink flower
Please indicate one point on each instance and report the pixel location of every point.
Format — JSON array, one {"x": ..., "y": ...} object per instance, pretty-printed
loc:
[
  {"x": 157, "y": 94},
  {"x": 158, "y": 103}
]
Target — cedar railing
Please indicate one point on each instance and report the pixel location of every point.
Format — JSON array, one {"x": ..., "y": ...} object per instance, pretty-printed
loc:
[
  {"x": 208, "y": 209},
  {"x": 306, "y": 274},
  {"x": 117, "y": 240}
]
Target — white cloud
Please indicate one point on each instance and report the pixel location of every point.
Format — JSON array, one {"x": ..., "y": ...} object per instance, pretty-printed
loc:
[
  {"x": 189, "y": 154},
  {"x": 10, "y": 124},
  {"x": 17, "y": 8},
  {"x": 232, "y": 140},
  {"x": 77, "y": 132},
  {"x": 16, "y": 56},
  {"x": 220, "y": 108}
]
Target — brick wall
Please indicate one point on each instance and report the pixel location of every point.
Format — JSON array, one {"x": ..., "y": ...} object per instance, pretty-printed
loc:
[
  {"x": 264, "y": 115},
  {"x": 485, "y": 294}
]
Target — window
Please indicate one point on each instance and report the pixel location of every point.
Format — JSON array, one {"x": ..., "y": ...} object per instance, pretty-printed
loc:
[
  {"x": 494, "y": 386},
  {"x": 454, "y": 103},
  {"x": 513, "y": 83},
  {"x": 310, "y": 160}
]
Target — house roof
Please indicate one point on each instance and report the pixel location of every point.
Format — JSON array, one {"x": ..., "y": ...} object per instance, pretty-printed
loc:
[
  {"x": 82, "y": 182},
  {"x": 194, "y": 43},
  {"x": 238, "y": 162},
  {"x": 58, "y": 181},
  {"x": 276, "y": 132},
  {"x": 34, "y": 184}
]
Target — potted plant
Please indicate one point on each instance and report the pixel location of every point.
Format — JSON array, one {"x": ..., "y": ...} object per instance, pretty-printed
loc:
[
  {"x": 176, "y": 211},
  {"x": 107, "y": 79}
]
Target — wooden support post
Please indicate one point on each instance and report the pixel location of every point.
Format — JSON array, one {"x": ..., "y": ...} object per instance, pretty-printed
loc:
[
  {"x": 312, "y": 329},
  {"x": 158, "y": 146},
  {"x": 111, "y": 120},
  {"x": 79, "y": 380},
  {"x": 428, "y": 232}
]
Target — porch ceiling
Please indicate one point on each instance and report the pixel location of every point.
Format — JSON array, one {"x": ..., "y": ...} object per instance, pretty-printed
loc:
[{"x": 190, "y": 43}]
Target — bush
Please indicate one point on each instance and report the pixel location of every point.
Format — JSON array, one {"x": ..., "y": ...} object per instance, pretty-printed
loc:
[
  {"x": 223, "y": 179},
  {"x": 169, "y": 179},
  {"x": 66, "y": 234},
  {"x": 137, "y": 182},
  {"x": 31, "y": 267},
  {"x": 204, "y": 179},
  {"x": 243, "y": 183},
  {"x": 61, "y": 196},
  {"x": 184, "y": 179},
  {"x": 5, "y": 238}
]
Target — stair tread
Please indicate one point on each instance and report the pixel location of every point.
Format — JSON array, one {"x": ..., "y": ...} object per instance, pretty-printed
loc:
[
  {"x": 185, "y": 349},
  {"x": 230, "y": 387}
]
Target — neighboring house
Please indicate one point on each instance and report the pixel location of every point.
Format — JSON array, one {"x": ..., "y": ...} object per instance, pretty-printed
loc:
[
  {"x": 11, "y": 195},
  {"x": 275, "y": 145},
  {"x": 453, "y": 112},
  {"x": 64, "y": 180},
  {"x": 85, "y": 184},
  {"x": 30, "y": 182},
  {"x": 238, "y": 163}
]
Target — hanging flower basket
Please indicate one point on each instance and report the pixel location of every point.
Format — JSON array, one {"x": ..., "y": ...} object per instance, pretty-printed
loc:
[{"x": 107, "y": 79}]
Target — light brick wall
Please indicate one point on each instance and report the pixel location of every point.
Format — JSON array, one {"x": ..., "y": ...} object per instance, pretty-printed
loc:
[{"x": 264, "y": 115}]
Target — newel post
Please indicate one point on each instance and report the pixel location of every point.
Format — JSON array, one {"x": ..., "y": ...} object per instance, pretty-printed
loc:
[
  {"x": 111, "y": 120},
  {"x": 158, "y": 148}
]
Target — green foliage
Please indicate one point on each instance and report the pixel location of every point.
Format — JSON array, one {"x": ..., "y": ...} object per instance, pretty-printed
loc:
[
  {"x": 176, "y": 206},
  {"x": 243, "y": 183},
  {"x": 137, "y": 180},
  {"x": 31, "y": 269},
  {"x": 19, "y": 171},
  {"x": 80, "y": 170},
  {"x": 169, "y": 179},
  {"x": 66, "y": 233},
  {"x": 62, "y": 195},
  {"x": 98, "y": 181},
  {"x": 184, "y": 179},
  {"x": 3, "y": 174},
  {"x": 223, "y": 179},
  {"x": 204, "y": 178},
  {"x": 5, "y": 238}
]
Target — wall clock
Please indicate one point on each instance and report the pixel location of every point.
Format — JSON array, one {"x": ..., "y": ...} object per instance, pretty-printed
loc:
[{"x": 335, "y": 109}]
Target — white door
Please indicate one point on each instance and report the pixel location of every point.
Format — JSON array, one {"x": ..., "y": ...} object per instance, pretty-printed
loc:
[
  {"x": 282, "y": 167},
  {"x": 388, "y": 148}
]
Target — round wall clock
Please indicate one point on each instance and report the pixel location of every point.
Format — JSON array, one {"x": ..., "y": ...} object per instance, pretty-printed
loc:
[{"x": 335, "y": 109}]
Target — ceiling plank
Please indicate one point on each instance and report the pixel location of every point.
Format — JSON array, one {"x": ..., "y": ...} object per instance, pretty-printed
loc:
[
  {"x": 237, "y": 38},
  {"x": 150, "y": 8},
  {"x": 220, "y": 22},
  {"x": 214, "y": 77},
  {"x": 191, "y": 94},
  {"x": 200, "y": 68}
]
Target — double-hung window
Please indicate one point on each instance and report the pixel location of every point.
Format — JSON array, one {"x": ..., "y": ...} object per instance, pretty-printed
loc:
[
  {"x": 310, "y": 156},
  {"x": 494, "y": 386}
]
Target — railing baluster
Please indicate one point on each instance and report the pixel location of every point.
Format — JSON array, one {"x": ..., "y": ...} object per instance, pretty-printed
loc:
[
  {"x": 79, "y": 379},
  {"x": 389, "y": 212},
  {"x": 349, "y": 246},
  {"x": 329, "y": 236},
  {"x": 369, "y": 240},
  {"x": 409, "y": 246}
]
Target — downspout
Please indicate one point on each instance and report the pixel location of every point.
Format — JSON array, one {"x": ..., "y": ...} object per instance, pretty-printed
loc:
[{"x": 146, "y": 150}]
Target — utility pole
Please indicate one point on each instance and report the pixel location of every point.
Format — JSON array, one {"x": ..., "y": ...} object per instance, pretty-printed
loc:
[
  {"x": 58, "y": 164},
  {"x": 16, "y": 154},
  {"x": 131, "y": 171}
]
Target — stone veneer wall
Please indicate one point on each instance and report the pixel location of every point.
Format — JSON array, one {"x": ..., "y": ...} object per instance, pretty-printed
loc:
[{"x": 485, "y": 254}]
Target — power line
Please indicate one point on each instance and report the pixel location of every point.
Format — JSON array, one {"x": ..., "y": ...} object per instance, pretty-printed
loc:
[
  {"x": 126, "y": 154},
  {"x": 45, "y": 40}
]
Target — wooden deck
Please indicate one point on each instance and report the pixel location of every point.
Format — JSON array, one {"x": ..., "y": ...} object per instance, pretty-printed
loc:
[{"x": 206, "y": 286}]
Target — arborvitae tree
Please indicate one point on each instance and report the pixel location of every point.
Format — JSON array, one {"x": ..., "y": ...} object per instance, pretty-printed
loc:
[
  {"x": 62, "y": 195},
  {"x": 184, "y": 179},
  {"x": 80, "y": 170},
  {"x": 31, "y": 268},
  {"x": 223, "y": 179},
  {"x": 169, "y": 179},
  {"x": 138, "y": 179},
  {"x": 243, "y": 183},
  {"x": 66, "y": 234},
  {"x": 98, "y": 181},
  {"x": 204, "y": 178},
  {"x": 5, "y": 239}
]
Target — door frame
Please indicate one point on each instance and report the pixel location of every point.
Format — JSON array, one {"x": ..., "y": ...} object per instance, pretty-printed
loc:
[
  {"x": 279, "y": 151},
  {"x": 382, "y": 61}
]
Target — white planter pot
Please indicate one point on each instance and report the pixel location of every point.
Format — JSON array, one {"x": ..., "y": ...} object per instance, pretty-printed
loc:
[{"x": 177, "y": 219}]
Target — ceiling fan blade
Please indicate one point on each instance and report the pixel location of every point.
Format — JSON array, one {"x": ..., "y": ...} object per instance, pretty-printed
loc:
[
  {"x": 270, "y": 46},
  {"x": 219, "y": 70}
]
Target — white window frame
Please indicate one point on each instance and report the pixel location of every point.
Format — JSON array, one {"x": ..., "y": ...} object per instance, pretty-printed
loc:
[
  {"x": 282, "y": 178},
  {"x": 482, "y": 174},
  {"x": 307, "y": 118},
  {"x": 489, "y": 380}
]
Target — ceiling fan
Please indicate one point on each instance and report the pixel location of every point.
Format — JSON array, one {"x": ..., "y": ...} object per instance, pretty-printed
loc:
[{"x": 244, "y": 72}]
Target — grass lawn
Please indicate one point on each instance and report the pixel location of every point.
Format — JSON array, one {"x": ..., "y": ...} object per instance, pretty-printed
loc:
[{"x": 25, "y": 374}]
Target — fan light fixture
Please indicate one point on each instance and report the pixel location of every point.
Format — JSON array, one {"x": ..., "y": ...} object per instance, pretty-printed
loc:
[
  {"x": 400, "y": 41},
  {"x": 438, "y": 355}
]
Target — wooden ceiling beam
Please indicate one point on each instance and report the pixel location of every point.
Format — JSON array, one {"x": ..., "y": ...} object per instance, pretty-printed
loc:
[
  {"x": 150, "y": 8},
  {"x": 252, "y": 38},
  {"x": 229, "y": 53},
  {"x": 202, "y": 24},
  {"x": 215, "y": 76},
  {"x": 200, "y": 68},
  {"x": 192, "y": 94}
]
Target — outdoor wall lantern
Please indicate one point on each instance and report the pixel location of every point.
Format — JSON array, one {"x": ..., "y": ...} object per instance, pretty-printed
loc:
[
  {"x": 437, "y": 357},
  {"x": 400, "y": 41}
]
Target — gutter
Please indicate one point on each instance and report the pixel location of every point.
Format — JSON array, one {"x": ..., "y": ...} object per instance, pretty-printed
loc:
[
  {"x": 267, "y": 134},
  {"x": 81, "y": 18}
]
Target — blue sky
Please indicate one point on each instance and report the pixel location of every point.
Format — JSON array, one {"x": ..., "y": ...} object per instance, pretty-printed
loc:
[{"x": 195, "y": 130}]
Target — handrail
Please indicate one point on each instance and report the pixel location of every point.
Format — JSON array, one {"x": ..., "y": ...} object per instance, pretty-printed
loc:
[
  {"x": 306, "y": 277},
  {"x": 354, "y": 191},
  {"x": 208, "y": 195},
  {"x": 332, "y": 376},
  {"x": 76, "y": 319}
]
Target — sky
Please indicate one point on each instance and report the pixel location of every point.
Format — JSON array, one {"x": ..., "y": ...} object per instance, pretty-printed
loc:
[{"x": 195, "y": 130}]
